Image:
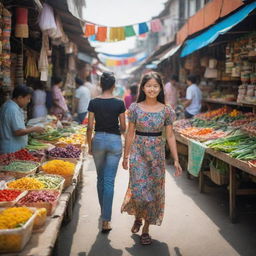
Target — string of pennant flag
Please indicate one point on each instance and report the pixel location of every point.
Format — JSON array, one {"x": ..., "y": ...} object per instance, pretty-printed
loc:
[
  {"x": 121, "y": 61},
  {"x": 114, "y": 34}
]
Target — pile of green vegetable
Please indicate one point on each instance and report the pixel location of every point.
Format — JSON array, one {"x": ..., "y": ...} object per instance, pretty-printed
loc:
[
  {"x": 20, "y": 166},
  {"x": 49, "y": 135},
  {"x": 241, "y": 146}
]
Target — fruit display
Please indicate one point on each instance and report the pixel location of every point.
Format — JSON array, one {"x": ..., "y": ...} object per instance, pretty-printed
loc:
[{"x": 69, "y": 151}]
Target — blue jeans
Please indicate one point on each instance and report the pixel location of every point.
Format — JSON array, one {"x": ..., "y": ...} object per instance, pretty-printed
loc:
[{"x": 106, "y": 151}]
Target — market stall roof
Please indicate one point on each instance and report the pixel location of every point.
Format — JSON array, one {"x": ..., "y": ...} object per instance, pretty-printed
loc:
[
  {"x": 153, "y": 58},
  {"x": 71, "y": 17},
  {"x": 216, "y": 30},
  {"x": 170, "y": 53}
]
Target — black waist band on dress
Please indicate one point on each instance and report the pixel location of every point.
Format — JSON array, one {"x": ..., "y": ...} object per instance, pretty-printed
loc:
[{"x": 149, "y": 133}]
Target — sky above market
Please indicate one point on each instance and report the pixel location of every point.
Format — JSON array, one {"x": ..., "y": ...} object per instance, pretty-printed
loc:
[{"x": 120, "y": 13}]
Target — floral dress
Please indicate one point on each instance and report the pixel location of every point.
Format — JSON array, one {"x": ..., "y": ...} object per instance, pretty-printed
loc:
[{"x": 146, "y": 190}]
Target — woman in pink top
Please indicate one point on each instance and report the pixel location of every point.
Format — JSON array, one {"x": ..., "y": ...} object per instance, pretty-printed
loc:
[
  {"x": 171, "y": 92},
  {"x": 129, "y": 99},
  {"x": 60, "y": 107}
]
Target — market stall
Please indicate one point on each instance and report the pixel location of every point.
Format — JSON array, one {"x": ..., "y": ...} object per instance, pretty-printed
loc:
[
  {"x": 43, "y": 179},
  {"x": 228, "y": 137}
]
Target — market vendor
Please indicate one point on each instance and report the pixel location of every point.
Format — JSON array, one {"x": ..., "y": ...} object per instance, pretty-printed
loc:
[
  {"x": 193, "y": 100},
  {"x": 13, "y": 132}
]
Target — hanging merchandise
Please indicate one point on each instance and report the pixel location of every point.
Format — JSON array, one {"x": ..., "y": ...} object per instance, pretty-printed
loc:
[
  {"x": 89, "y": 30},
  {"x": 59, "y": 37},
  {"x": 6, "y": 48},
  {"x": 43, "y": 59},
  {"x": 155, "y": 25},
  {"x": 21, "y": 27},
  {"x": 116, "y": 34},
  {"x": 31, "y": 67},
  {"x": 129, "y": 31},
  {"x": 47, "y": 20},
  {"x": 19, "y": 76},
  {"x": 101, "y": 34},
  {"x": 143, "y": 28}
]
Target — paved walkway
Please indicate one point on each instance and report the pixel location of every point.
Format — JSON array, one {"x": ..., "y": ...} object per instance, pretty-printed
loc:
[{"x": 194, "y": 224}]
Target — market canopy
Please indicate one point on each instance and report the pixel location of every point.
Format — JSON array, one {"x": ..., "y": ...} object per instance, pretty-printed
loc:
[{"x": 216, "y": 30}]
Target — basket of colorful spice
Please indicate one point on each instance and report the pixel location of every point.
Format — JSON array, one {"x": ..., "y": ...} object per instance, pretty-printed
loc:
[
  {"x": 16, "y": 226},
  {"x": 37, "y": 182},
  {"x": 47, "y": 199},
  {"x": 19, "y": 168},
  {"x": 69, "y": 153},
  {"x": 63, "y": 168},
  {"x": 10, "y": 197}
]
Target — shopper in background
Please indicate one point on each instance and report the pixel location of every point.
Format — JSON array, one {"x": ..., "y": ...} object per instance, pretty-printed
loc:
[
  {"x": 193, "y": 99},
  {"x": 106, "y": 145},
  {"x": 13, "y": 132},
  {"x": 171, "y": 91},
  {"x": 59, "y": 108},
  {"x": 39, "y": 100},
  {"x": 132, "y": 96},
  {"x": 145, "y": 149},
  {"x": 82, "y": 99}
]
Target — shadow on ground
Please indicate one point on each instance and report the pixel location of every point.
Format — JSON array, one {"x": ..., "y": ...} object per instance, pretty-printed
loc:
[{"x": 215, "y": 203}]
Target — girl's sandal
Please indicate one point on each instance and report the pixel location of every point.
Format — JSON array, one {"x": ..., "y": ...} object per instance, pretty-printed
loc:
[
  {"x": 106, "y": 228},
  {"x": 145, "y": 239},
  {"x": 136, "y": 226}
]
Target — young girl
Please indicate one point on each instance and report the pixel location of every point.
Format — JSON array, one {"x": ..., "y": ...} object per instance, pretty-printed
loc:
[
  {"x": 145, "y": 149},
  {"x": 106, "y": 146}
]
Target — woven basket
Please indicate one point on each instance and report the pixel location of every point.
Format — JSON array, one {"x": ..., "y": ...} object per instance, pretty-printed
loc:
[{"x": 217, "y": 177}]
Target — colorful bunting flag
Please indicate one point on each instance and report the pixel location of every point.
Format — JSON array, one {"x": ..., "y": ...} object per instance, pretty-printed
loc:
[
  {"x": 113, "y": 34},
  {"x": 129, "y": 31},
  {"x": 155, "y": 25},
  {"x": 143, "y": 28},
  {"x": 116, "y": 34},
  {"x": 101, "y": 34},
  {"x": 89, "y": 30}
]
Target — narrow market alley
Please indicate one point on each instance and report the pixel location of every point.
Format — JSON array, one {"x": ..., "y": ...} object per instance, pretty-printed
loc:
[{"x": 194, "y": 224}]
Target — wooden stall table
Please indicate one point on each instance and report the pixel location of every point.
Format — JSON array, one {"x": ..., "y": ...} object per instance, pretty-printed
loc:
[{"x": 234, "y": 165}]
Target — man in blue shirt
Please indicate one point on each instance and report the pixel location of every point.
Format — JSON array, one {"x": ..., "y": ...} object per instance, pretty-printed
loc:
[{"x": 13, "y": 132}]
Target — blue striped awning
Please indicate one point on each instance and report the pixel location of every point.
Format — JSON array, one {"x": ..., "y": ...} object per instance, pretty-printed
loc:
[{"x": 216, "y": 30}]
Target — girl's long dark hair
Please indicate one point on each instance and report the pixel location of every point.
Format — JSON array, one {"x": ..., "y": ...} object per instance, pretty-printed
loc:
[{"x": 152, "y": 75}]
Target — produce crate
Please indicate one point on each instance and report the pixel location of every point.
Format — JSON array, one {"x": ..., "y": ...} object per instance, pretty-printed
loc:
[
  {"x": 14, "y": 240},
  {"x": 217, "y": 176},
  {"x": 59, "y": 187},
  {"x": 12, "y": 203},
  {"x": 68, "y": 178},
  {"x": 16, "y": 174},
  {"x": 49, "y": 206}
]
